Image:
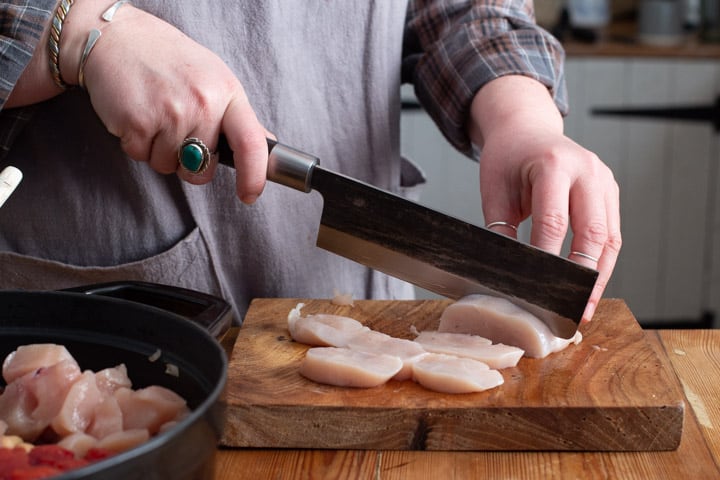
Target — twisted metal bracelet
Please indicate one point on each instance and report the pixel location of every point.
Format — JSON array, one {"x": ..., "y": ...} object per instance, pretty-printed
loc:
[{"x": 54, "y": 42}]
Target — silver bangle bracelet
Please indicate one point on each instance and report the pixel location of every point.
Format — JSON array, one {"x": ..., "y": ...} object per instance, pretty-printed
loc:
[{"x": 93, "y": 37}]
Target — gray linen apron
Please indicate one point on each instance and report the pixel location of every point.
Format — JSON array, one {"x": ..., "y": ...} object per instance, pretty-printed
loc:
[{"x": 322, "y": 75}]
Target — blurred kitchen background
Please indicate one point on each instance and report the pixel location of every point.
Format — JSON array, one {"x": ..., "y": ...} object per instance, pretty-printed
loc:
[{"x": 624, "y": 56}]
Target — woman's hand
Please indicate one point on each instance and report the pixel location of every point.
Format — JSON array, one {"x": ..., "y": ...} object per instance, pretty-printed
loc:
[
  {"x": 152, "y": 87},
  {"x": 528, "y": 167}
]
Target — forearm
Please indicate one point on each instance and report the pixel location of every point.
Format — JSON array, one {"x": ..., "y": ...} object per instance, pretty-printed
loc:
[
  {"x": 36, "y": 82},
  {"x": 453, "y": 49}
]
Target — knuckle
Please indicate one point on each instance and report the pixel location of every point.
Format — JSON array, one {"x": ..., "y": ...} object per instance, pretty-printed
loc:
[
  {"x": 614, "y": 242},
  {"x": 553, "y": 224},
  {"x": 595, "y": 234}
]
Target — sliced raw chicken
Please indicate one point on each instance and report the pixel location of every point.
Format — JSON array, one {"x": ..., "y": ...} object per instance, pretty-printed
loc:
[
  {"x": 125, "y": 440},
  {"x": 107, "y": 418},
  {"x": 322, "y": 329},
  {"x": 110, "y": 379},
  {"x": 149, "y": 408},
  {"x": 450, "y": 374},
  {"x": 78, "y": 443},
  {"x": 379, "y": 343},
  {"x": 470, "y": 346},
  {"x": 502, "y": 321},
  {"x": 32, "y": 401},
  {"x": 28, "y": 358},
  {"x": 78, "y": 409},
  {"x": 344, "y": 367}
]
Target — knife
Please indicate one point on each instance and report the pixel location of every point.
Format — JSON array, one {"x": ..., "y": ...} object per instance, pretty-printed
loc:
[{"x": 430, "y": 249}]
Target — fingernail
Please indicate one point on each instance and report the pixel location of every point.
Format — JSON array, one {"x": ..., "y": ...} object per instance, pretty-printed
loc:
[
  {"x": 589, "y": 311},
  {"x": 249, "y": 199}
]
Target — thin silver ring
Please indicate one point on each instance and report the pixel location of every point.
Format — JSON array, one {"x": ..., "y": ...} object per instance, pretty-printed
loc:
[
  {"x": 194, "y": 156},
  {"x": 501, "y": 224},
  {"x": 584, "y": 255}
]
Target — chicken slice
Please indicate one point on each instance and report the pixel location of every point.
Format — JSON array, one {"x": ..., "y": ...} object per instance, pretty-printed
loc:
[
  {"x": 322, "y": 329},
  {"x": 344, "y": 367},
  {"x": 502, "y": 321},
  {"x": 78, "y": 408},
  {"x": 149, "y": 408},
  {"x": 107, "y": 418},
  {"x": 470, "y": 346},
  {"x": 379, "y": 343},
  {"x": 451, "y": 374},
  {"x": 125, "y": 440},
  {"x": 110, "y": 379},
  {"x": 28, "y": 358},
  {"x": 30, "y": 402},
  {"x": 78, "y": 443}
]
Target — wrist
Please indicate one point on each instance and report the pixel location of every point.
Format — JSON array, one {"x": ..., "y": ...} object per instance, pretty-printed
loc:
[
  {"x": 512, "y": 103},
  {"x": 81, "y": 19}
]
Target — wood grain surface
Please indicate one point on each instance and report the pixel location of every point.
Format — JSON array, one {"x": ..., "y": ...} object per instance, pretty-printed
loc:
[{"x": 613, "y": 392}]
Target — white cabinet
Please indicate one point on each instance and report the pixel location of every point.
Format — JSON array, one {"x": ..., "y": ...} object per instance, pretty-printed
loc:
[{"x": 668, "y": 172}]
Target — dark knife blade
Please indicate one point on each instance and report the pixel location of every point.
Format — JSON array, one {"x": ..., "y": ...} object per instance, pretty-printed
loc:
[{"x": 430, "y": 249}]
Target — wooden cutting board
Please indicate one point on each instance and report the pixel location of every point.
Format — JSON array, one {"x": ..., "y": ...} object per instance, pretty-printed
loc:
[{"x": 612, "y": 392}]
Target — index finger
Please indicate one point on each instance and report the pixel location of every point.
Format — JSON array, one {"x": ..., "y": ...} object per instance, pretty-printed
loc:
[{"x": 247, "y": 139}]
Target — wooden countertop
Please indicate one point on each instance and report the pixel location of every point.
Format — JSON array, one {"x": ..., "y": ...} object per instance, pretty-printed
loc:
[
  {"x": 620, "y": 40},
  {"x": 694, "y": 356},
  {"x": 690, "y": 49}
]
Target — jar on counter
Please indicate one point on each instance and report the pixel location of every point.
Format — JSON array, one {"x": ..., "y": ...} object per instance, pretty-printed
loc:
[
  {"x": 661, "y": 22},
  {"x": 710, "y": 21}
]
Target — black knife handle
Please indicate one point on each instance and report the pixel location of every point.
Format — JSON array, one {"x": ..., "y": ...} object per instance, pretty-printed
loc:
[{"x": 286, "y": 165}]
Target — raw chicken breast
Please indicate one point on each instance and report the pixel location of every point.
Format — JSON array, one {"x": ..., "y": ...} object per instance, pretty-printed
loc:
[
  {"x": 349, "y": 368},
  {"x": 29, "y": 358},
  {"x": 470, "y": 346},
  {"x": 502, "y": 322},
  {"x": 450, "y": 374},
  {"x": 322, "y": 329},
  {"x": 379, "y": 343}
]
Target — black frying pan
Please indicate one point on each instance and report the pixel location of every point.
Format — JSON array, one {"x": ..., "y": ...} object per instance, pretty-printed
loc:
[{"x": 103, "y": 326}]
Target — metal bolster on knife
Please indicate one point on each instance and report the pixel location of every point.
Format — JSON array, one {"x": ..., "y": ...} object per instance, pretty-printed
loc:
[{"x": 290, "y": 167}]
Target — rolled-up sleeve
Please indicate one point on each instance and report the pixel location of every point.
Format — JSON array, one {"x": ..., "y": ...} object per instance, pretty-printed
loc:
[
  {"x": 452, "y": 48},
  {"x": 21, "y": 27}
]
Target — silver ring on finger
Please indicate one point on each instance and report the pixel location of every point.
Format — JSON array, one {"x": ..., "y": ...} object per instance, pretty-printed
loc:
[
  {"x": 501, "y": 224},
  {"x": 194, "y": 156},
  {"x": 584, "y": 255}
]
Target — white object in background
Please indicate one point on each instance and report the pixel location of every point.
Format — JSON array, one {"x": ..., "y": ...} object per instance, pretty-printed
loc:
[
  {"x": 10, "y": 178},
  {"x": 589, "y": 14}
]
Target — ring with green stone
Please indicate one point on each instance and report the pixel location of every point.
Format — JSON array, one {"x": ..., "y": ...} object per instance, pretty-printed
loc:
[{"x": 194, "y": 155}]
